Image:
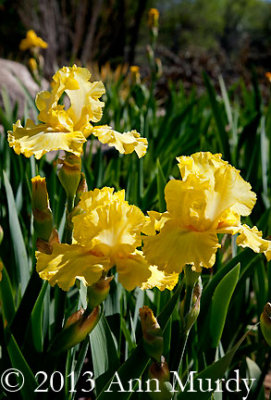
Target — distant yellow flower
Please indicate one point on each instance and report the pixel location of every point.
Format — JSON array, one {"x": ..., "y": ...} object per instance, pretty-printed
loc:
[
  {"x": 67, "y": 129},
  {"x": 32, "y": 40},
  {"x": 268, "y": 76},
  {"x": 153, "y": 17},
  {"x": 107, "y": 232},
  {"x": 210, "y": 199}
]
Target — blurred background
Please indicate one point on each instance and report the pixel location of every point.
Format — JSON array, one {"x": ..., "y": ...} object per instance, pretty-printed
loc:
[{"x": 219, "y": 36}]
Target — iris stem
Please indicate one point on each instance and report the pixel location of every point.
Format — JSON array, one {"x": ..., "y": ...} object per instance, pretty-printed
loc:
[
  {"x": 191, "y": 277},
  {"x": 60, "y": 295},
  {"x": 67, "y": 235}
]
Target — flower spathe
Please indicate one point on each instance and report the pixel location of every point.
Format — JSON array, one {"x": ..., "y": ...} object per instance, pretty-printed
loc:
[
  {"x": 67, "y": 129},
  {"x": 107, "y": 232},
  {"x": 210, "y": 199}
]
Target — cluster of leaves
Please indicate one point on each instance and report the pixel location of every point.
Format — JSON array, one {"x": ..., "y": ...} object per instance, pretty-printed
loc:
[{"x": 225, "y": 337}]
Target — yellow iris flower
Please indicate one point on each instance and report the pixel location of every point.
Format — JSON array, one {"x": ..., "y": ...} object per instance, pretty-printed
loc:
[
  {"x": 67, "y": 129},
  {"x": 32, "y": 40},
  {"x": 107, "y": 232},
  {"x": 210, "y": 199}
]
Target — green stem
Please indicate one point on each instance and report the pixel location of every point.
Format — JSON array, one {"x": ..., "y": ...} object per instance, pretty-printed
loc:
[
  {"x": 185, "y": 333},
  {"x": 191, "y": 278},
  {"x": 188, "y": 300},
  {"x": 67, "y": 235},
  {"x": 60, "y": 295}
]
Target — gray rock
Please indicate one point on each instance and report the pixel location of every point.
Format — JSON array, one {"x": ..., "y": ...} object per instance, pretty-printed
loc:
[{"x": 14, "y": 77}]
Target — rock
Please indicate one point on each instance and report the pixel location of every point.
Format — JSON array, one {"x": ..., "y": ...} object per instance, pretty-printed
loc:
[{"x": 11, "y": 72}]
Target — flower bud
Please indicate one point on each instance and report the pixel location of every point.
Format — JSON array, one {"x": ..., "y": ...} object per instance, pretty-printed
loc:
[
  {"x": 33, "y": 65},
  {"x": 1, "y": 234},
  {"x": 97, "y": 293},
  {"x": 191, "y": 275},
  {"x": 82, "y": 188},
  {"x": 153, "y": 18},
  {"x": 70, "y": 174},
  {"x": 135, "y": 75},
  {"x": 159, "y": 372},
  {"x": 153, "y": 22},
  {"x": 45, "y": 246},
  {"x": 43, "y": 217},
  {"x": 190, "y": 318},
  {"x": 265, "y": 322},
  {"x": 1, "y": 269},
  {"x": 153, "y": 340},
  {"x": 75, "y": 330},
  {"x": 159, "y": 67}
]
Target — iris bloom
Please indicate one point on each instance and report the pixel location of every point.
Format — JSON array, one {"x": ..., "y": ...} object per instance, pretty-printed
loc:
[
  {"x": 32, "y": 40},
  {"x": 67, "y": 129},
  {"x": 107, "y": 232},
  {"x": 210, "y": 199}
]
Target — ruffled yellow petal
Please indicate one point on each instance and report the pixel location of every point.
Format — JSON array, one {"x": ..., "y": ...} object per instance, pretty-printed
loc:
[
  {"x": 252, "y": 238},
  {"x": 132, "y": 270},
  {"x": 125, "y": 143},
  {"x": 68, "y": 263},
  {"x": 39, "y": 139},
  {"x": 229, "y": 222},
  {"x": 84, "y": 97},
  {"x": 175, "y": 247},
  {"x": 227, "y": 188},
  {"x": 98, "y": 197},
  {"x": 160, "y": 280},
  {"x": 201, "y": 164},
  {"x": 112, "y": 229},
  {"x": 154, "y": 222},
  {"x": 187, "y": 203},
  {"x": 85, "y": 103}
]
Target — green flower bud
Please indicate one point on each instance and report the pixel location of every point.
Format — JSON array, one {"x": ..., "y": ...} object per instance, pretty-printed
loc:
[
  {"x": 82, "y": 188},
  {"x": 1, "y": 234},
  {"x": 70, "y": 174},
  {"x": 43, "y": 217},
  {"x": 153, "y": 340},
  {"x": 190, "y": 318},
  {"x": 159, "y": 371},
  {"x": 97, "y": 293},
  {"x": 265, "y": 323},
  {"x": 75, "y": 330}
]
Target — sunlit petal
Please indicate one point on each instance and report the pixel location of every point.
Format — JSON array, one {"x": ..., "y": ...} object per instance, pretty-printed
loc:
[
  {"x": 39, "y": 139},
  {"x": 160, "y": 279},
  {"x": 132, "y": 270},
  {"x": 175, "y": 247},
  {"x": 252, "y": 238},
  {"x": 125, "y": 143},
  {"x": 68, "y": 263}
]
